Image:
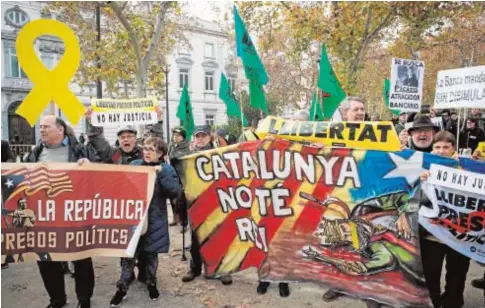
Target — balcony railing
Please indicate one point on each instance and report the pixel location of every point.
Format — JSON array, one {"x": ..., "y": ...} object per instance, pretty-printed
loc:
[{"x": 19, "y": 150}]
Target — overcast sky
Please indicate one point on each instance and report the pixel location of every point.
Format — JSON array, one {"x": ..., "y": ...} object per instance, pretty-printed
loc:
[{"x": 208, "y": 10}]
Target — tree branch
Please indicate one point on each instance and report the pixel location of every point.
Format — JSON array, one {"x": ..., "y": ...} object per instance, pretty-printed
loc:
[{"x": 156, "y": 35}]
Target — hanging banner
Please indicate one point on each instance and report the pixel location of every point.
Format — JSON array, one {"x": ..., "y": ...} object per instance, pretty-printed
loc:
[
  {"x": 407, "y": 79},
  {"x": 339, "y": 217},
  {"x": 109, "y": 112},
  {"x": 358, "y": 135},
  {"x": 64, "y": 212},
  {"x": 457, "y": 216},
  {"x": 460, "y": 88}
]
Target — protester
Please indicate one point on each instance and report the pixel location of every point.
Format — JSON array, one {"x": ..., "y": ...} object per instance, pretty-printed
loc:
[
  {"x": 402, "y": 120},
  {"x": 249, "y": 134},
  {"x": 57, "y": 147},
  {"x": 452, "y": 125},
  {"x": 480, "y": 118},
  {"x": 156, "y": 240},
  {"x": 434, "y": 252},
  {"x": 471, "y": 136},
  {"x": 202, "y": 141},
  {"x": 179, "y": 147},
  {"x": 127, "y": 151},
  {"x": 420, "y": 136}
]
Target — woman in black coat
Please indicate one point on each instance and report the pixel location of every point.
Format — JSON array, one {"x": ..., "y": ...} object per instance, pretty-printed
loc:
[{"x": 156, "y": 240}]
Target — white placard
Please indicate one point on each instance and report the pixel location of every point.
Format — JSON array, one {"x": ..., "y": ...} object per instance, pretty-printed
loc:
[
  {"x": 114, "y": 118},
  {"x": 460, "y": 88},
  {"x": 407, "y": 77},
  {"x": 458, "y": 179}
]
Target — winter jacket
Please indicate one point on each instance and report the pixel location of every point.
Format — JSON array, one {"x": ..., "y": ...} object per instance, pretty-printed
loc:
[
  {"x": 107, "y": 153},
  {"x": 76, "y": 152},
  {"x": 7, "y": 155},
  {"x": 167, "y": 186},
  {"x": 470, "y": 138}
]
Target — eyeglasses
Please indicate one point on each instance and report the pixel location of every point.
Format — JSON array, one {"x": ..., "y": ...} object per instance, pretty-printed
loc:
[{"x": 149, "y": 149}]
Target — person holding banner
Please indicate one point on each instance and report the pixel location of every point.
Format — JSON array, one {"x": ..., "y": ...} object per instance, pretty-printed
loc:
[
  {"x": 434, "y": 252},
  {"x": 420, "y": 136},
  {"x": 202, "y": 141},
  {"x": 472, "y": 135},
  {"x": 58, "y": 147},
  {"x": 156, "y": 240}
]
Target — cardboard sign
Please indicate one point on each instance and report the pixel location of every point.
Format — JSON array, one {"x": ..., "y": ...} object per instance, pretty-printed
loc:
[
  {"x": 114, "y": 112},
  {"x": 64, "y": 212},
  {"x": 458, "y": 179},
  {"x": 357, "y": 135},
  {"x": 460, "y": 88},
  {"x": 407, "y": 78}
]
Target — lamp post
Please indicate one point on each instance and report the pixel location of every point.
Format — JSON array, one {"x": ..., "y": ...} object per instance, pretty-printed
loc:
[{"x": 167, "y": 112}]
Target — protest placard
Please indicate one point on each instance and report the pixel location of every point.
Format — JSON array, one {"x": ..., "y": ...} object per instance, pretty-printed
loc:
[
  {"x": 281, "y": 207},
  {"x": 407, "y": 78},
  {"x": 457, "y": 216},
  {"x": 460, "y": 88},
  {"x": 358, "y": 135},
  {"x": 114, "y": 112},
  {"x": 64, "y": 212}
]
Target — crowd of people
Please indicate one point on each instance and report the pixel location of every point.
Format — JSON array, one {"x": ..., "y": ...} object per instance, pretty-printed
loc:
[{"x": 59, "y": 144}]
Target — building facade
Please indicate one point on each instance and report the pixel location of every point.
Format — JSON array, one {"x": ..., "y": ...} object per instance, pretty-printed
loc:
[{"x": 198, "y": 63}]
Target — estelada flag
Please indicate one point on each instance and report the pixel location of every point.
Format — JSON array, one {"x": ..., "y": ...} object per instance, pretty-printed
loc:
[{"x": 299, "y": 213}]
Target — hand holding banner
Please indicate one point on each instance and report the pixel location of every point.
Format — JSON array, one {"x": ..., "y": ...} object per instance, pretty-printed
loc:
[{"x": 49, "y": 85}]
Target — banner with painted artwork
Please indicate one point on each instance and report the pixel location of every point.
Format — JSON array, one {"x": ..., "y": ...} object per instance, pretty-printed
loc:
[
  {"x": 65, "y": 212},
  {"x": 108, "y": 112},
  {"x": 407, "y": 78},
  {"x": 457, "y": 215},
  {"x": 339, "y": 217}
]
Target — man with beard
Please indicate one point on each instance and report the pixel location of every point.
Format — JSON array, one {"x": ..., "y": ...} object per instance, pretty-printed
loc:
[
  {"x": 420, "y": 136},
  {"x": 202, "y": 142},
  {"x": 127, "y": 151}
]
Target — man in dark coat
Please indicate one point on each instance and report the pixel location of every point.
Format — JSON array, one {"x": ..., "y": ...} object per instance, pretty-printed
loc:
[
  {"x": 472, "y": 135},
  {"x": 202, "y": 142},
  {"x": 57, "y": 147},
  {"x": 179, "y": 147}
]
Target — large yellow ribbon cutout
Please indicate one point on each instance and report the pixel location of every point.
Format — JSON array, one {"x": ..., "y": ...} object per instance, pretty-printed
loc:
[{"x": 49, "y": 85}]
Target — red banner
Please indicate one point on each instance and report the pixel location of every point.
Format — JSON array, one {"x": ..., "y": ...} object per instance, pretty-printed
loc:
[{"x": 64, "y": 212}]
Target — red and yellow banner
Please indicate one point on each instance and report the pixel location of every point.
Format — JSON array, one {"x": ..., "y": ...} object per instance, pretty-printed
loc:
[{"x": 63, "y": 212}]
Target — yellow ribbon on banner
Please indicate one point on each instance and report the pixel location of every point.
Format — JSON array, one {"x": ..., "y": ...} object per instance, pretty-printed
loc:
[{"x": 49, "y": 85}]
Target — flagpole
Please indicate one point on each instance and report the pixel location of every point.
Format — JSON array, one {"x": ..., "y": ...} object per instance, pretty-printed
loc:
[{"x": 242, "y": 112}]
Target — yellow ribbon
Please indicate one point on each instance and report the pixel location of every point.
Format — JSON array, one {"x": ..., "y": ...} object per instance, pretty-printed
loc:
[{"x": 49, "y": 85}]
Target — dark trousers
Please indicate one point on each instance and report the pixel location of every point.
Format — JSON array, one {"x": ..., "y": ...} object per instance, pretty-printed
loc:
[
  {"x": 52, "y": 274},
  {"x": 433, "y": 254},
  {"x": 128, "y": 265},
  {"x": 195, "y": 257}
]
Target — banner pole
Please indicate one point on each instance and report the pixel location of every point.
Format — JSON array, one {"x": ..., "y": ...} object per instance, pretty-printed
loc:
[
  {"x": 242, "y": 113},
  {"x": 458, "y": 132}
]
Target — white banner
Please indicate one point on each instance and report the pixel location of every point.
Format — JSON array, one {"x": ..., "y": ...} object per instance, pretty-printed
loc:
[
  {"x": 458, "y": 179},
  {"x": 407, "y": 77},
  {"x": 460, "y": 88},
  {"x": 112, "y": 118}
]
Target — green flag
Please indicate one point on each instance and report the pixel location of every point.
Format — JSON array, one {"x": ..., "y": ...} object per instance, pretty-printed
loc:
[
  {"x": 184, "y": 113},
  {"x": 227, "y": 96},
  {"x": 387, "y": 88},
  {"x": 328, "y": 82},
  {"x": 316, "y": 112},
  {"x": 253, "y": 67}
]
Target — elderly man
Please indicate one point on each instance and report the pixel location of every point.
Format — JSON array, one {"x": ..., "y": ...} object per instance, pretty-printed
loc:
[
  {"x": 420, "y": 136},
  {"x": 202, "y": 142},
  {"x": 57, "y": 147},
  {"x": 352, "y": 108}
]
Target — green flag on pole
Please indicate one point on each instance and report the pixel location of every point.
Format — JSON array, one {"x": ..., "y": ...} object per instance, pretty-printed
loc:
[
  {"x": 232, "y": 105},
  {"x": 253, "y": 67},
  {"x": 333, "y": 93},
  {"x": 316, "y": 112},
  {"x": 184, "y": 113},
  {"x": 385, "y": 92}
]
